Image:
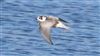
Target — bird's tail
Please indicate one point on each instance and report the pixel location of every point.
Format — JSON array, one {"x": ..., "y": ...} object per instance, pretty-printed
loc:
[{"x": 61, "y": 25}]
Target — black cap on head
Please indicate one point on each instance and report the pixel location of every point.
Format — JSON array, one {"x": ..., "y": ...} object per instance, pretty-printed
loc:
[{"x": 40, "y": 17}]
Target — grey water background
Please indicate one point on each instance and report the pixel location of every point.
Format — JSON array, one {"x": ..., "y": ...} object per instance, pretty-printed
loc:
[{"x": 20, "y": 36}]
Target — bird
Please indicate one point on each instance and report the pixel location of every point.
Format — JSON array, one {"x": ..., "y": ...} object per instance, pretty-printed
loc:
[{"x": 48, "y": 22}]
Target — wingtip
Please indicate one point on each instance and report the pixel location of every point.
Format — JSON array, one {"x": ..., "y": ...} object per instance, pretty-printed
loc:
[
  {"x": 51, "y": 43},
  {"x": 63, "y": 20}
]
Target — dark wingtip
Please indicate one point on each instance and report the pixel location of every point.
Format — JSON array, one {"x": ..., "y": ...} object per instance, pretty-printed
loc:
[
  {"x": 51, "y": 43},
  {"x": 63, "y": 20}
]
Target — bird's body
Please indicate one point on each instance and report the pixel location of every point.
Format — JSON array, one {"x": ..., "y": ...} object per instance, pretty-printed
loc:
[{"x": 47, "y": 22}]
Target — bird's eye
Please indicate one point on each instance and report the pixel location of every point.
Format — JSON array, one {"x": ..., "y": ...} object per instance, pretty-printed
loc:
[{"x": 41, "y": 17}]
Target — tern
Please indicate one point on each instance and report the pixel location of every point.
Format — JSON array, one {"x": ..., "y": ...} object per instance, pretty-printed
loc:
[{"x": 48, "y": 22}]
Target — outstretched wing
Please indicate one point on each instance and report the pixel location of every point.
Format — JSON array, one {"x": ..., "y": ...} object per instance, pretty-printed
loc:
[
  {"x": 57, "y": 19},
  {"x": 45, "y": 29},
  {"x": 46, "y": 34},
  {"x": 63, "y": 20}
]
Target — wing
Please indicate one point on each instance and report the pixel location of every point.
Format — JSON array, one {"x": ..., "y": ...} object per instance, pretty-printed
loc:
[
  {"x": 63, "y": 20},
  {"x": 45, "y": 30},
  {"x": 56, "y": 18}
]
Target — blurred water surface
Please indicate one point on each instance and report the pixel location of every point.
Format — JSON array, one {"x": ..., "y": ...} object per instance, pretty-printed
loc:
[{"x": 20, "y": 36}]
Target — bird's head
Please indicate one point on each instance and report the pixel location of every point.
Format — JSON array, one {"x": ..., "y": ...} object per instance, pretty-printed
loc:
[{"x": 41, "y": 18}]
